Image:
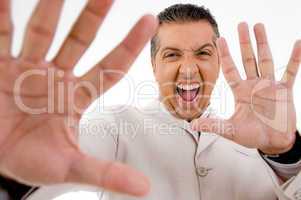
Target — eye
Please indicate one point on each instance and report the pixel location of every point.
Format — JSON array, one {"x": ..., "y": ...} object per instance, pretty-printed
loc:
[
  {"x": 203, "y": 53},
  {"x": 170, "y": 55}
]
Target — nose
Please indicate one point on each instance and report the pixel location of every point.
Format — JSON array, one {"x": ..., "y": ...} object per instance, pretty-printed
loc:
[{"x": 188, "y": 70}]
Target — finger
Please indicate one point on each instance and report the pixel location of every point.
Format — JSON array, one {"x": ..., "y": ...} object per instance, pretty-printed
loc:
[
  {"x": 293, "y": 65},
  {"x": 112, "y": 176},
  {"x": 229, "y": 69},
  {"x": 112, "y": 68},
  {"x": 218, "y": 126},
  {"x": 6, "y": 28},
  {"x": 265, "y": 60},
  {"x": 41, "y": 29},
  {"x": 248, "y": 57},
  {"x": 82, "y": 33}
]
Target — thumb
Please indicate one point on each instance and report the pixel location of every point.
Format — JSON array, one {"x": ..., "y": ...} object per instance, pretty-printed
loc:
[
  {"x": 214, "y": 125},
  {"x": 109, "y": 175}
]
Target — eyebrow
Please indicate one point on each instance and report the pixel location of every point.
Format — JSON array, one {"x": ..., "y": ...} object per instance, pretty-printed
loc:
[
  {"x": 198, "y": 49},
  {"x": 170, "y": 48},
  {"x": 204, "y": 46}
]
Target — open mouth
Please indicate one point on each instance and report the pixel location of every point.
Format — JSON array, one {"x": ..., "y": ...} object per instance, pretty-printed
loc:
[{"x": 188, "y": 92}]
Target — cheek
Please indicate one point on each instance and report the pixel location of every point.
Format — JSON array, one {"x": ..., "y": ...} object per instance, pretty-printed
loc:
[
  {"x": 210, "y": 72},
  {"x": 166, "y": 73},
  {"x": 166, "y": 76}
]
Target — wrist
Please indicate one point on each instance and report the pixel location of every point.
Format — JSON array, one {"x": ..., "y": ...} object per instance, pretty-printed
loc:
[{"x": 292, "y": 155}]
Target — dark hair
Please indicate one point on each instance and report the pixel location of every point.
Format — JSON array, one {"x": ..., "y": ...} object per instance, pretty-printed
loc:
[{"x": 183, "y": 13}]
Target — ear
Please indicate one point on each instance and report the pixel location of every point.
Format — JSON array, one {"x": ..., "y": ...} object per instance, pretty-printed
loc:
[
  {"x": 218, "y": 55},
  {"x": 153, "y": 65}
]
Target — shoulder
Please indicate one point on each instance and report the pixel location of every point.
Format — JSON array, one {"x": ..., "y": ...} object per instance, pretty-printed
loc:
[
  {"x": 110, "y": 114},
  {"x": 107, "y": 122}
]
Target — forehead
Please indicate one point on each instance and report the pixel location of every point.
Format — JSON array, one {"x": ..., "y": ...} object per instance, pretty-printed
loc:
[{"x": 188, "y": 35}]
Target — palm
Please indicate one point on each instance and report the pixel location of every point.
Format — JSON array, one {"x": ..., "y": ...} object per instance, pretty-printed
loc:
[
  {"x": 24, "y": 124},
  {"x": 264, "y": 116},
  {"x": 259, "y": 112},
  {"x": 42, "y": 102}
]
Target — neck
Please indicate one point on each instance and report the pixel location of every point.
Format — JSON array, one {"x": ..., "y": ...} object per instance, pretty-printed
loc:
[{"x": 173, "y": 111}]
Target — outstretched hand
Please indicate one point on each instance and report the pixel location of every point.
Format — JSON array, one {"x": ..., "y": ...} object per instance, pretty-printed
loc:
[
  {"x": 38, "y": 144},
  {"x": 265, "y": 116}
]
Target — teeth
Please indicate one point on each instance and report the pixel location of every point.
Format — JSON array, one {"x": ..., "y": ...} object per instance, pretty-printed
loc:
[{"x": 188, "y": 86}]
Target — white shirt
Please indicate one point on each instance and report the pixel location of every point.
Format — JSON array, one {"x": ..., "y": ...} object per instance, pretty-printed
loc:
[{"x": 180, "y": 164}]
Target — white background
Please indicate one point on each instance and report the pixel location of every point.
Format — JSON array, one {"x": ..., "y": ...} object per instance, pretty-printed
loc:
[{"x": 282, "y": 19}]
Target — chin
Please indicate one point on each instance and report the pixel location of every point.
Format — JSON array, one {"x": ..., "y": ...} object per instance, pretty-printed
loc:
[
  {"x": 187, "y": 110},
  {"x": 189, "y": 113}
]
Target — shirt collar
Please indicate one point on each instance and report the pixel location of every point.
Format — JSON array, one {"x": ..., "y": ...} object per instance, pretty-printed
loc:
[{"x": 157, "y": 108}]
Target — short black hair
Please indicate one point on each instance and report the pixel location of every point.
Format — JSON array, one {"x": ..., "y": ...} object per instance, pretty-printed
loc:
[{"x": 181, "y": 13}]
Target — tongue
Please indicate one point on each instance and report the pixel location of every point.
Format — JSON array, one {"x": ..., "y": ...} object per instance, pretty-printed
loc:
[{"x": 188, "y": 95}]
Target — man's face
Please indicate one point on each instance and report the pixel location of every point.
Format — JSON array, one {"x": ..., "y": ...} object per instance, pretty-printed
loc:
[{"x": 186, "y": 67}]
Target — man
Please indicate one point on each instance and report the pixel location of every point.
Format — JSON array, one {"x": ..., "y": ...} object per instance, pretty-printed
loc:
[
  {"x": 180, "y": 162},
  {"x": 186, "y": 164}
]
